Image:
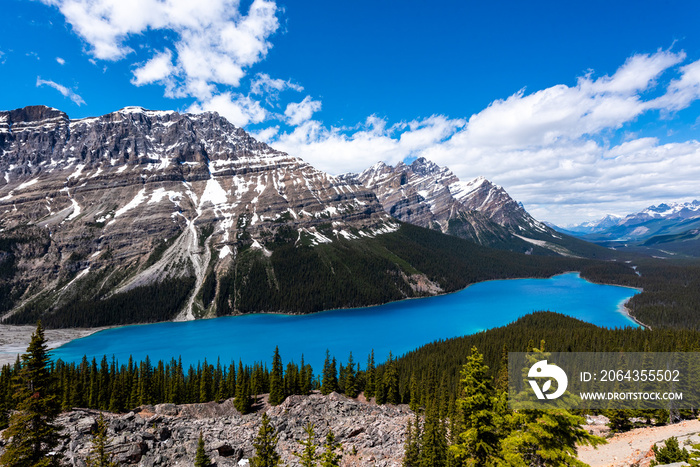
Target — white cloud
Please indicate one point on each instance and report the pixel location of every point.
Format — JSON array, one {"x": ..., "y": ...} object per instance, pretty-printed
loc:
[
  {"x": 266, "y": 134},
  {"x": 299, "y": 112},
  {"x": 683, "y": 91},
  {"x": 62, "y": 89},
  {"x": 236, "y": 108},
  {"x": 335, "y": 151},
  {"x": 60, "y": 61},
  {"x": 213, "y": 42},
  {"x": 156, "y": 69},
  {"x": 270, "y": 88},
  {"x": 262, "y": 83},
  {"x": 547, "y": 148}
]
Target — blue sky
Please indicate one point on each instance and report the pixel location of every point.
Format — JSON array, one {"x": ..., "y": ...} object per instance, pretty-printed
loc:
[{"x": 578, "y": 110}]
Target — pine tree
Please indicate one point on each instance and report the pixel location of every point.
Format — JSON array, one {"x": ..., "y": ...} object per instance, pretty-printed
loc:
[
  {"x": 308, "y": 456},
  {"x": 242, "y": 401},
  {"x": 277, "y": 395},
  {"x": 330, "y": 375},
  {"x": 330, "y": 458},
  {"x": 265, "y": 444},
  {"x": 671, "y": 452},
  {"x": 101, "y": 458},
  {"x": 350, "y": 378},
  {"x": 544, "y": 437},
  {"x": 477, "y": 441},
  {"x": 201, "y": 459},
  {"x": 306, "y": 376},
  {"x": 619, "y": 420},
  {"x": 414, "y": 401},
  {"x": 370, "y": 377},
  {"x": 501, "y": 385},
  {"x": 391, "y": 381},
  {"x": 433, "y": 444},
  {"x": 411, "y": 456},
  {"x": 206, "y": 392},
  {"x": 32, "y": 433}
]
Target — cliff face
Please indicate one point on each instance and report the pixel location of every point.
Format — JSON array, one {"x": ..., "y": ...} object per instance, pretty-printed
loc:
[
  {"x": 92, "y": 199},
  {"x": 167, "y": 434}
]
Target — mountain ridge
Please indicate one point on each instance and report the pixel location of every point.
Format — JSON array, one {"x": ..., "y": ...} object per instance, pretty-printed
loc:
[
  {"x": 109, "y": 190},
  {"x": 141, "y": 216},
  {"x": 426, "y": 195},
  {"x": 667, "y": 230}
]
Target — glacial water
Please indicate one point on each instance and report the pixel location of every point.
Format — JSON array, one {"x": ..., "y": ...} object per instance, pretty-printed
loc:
[{"x": 397, "y": 327}]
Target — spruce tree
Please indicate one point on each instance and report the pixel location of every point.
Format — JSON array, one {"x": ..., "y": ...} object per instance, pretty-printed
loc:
[
  {"x": 242, "y": 401},
  {"x": 350, "y": 378},
  {"x": 411, "y": 455},
  {"x": 619, "y": 420},
  {"x": 306, "y": 376},
  {"x": 477, "y": 442},
  {"x": 544, "y": 437},
  {"x": 414, "y": 400},
  {"x": 32, "y": 433},
  {"x": 99, "y": 457},
  {"x": 206, "y": 392},
  {"x": 433, "y": 444},
  {"x": 265, "y": 446},
  {"x": 330, "y": 458},
  {"x": 370, "y": 377},
  {"x": 308, "y": 457},
  {"x": 330, "y": 375},
  {"x": 201, "y": 459},
  {"x": 670, "y": 452},
  {"x": 277, "y": 395},
  {"x": 391, "y": 381}
]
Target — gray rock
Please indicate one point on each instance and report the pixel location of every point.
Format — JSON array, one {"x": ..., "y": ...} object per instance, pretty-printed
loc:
[{"x": 375, "y": 432}]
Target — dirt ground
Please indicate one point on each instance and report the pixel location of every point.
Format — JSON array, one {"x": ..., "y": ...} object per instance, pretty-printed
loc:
[{"x": 634, "y": 447}]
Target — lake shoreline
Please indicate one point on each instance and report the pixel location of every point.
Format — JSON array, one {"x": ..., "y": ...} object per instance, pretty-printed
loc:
[{"x": 15, "y": 339}]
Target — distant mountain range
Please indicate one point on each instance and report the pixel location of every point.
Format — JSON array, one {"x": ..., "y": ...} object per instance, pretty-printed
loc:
[
  {"x": 143, "y": 215},
  {"x": 668, "y": 229}
]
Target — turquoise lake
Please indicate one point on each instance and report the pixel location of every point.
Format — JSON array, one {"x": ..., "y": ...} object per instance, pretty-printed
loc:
[{"x": 397, "y": 327}]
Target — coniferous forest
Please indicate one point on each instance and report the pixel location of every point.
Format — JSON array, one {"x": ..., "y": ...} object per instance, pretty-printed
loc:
[{"x": 456, "y": 385}]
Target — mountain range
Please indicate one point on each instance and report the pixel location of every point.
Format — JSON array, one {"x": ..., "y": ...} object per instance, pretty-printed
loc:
[
  {"x": 668, "y": 229},
  {"x": 143, "y": 215}
]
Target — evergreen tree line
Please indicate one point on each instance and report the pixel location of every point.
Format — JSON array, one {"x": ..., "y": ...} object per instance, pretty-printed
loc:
[
  {"x": 112, "y": 386},
  {"x": 434, "y": 368},
  {"x": 670, "y": 294},
  {"x": 416, "y": 378},
  {"x": 428, "y": 375},
  {"x": 464, "y": 421}
]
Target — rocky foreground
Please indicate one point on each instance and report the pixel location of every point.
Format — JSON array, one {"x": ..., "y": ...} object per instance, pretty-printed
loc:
[{"x": 167, "y": 434}]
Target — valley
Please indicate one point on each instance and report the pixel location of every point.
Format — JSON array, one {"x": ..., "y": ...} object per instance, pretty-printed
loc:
[
  {"x": 145, "y": 216},
  {"x": 165, "y": 219}
]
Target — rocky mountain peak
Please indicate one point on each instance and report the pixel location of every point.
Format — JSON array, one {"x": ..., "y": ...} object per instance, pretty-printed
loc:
[
  {"x": 33, "y": 114},
  {"x": 425, "y": 194},
  {"x": 425, "y": 167},
  {"x": 103, "y": 192}
]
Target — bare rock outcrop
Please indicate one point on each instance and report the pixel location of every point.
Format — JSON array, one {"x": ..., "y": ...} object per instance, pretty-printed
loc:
[{"x": 167, "y": 434}]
